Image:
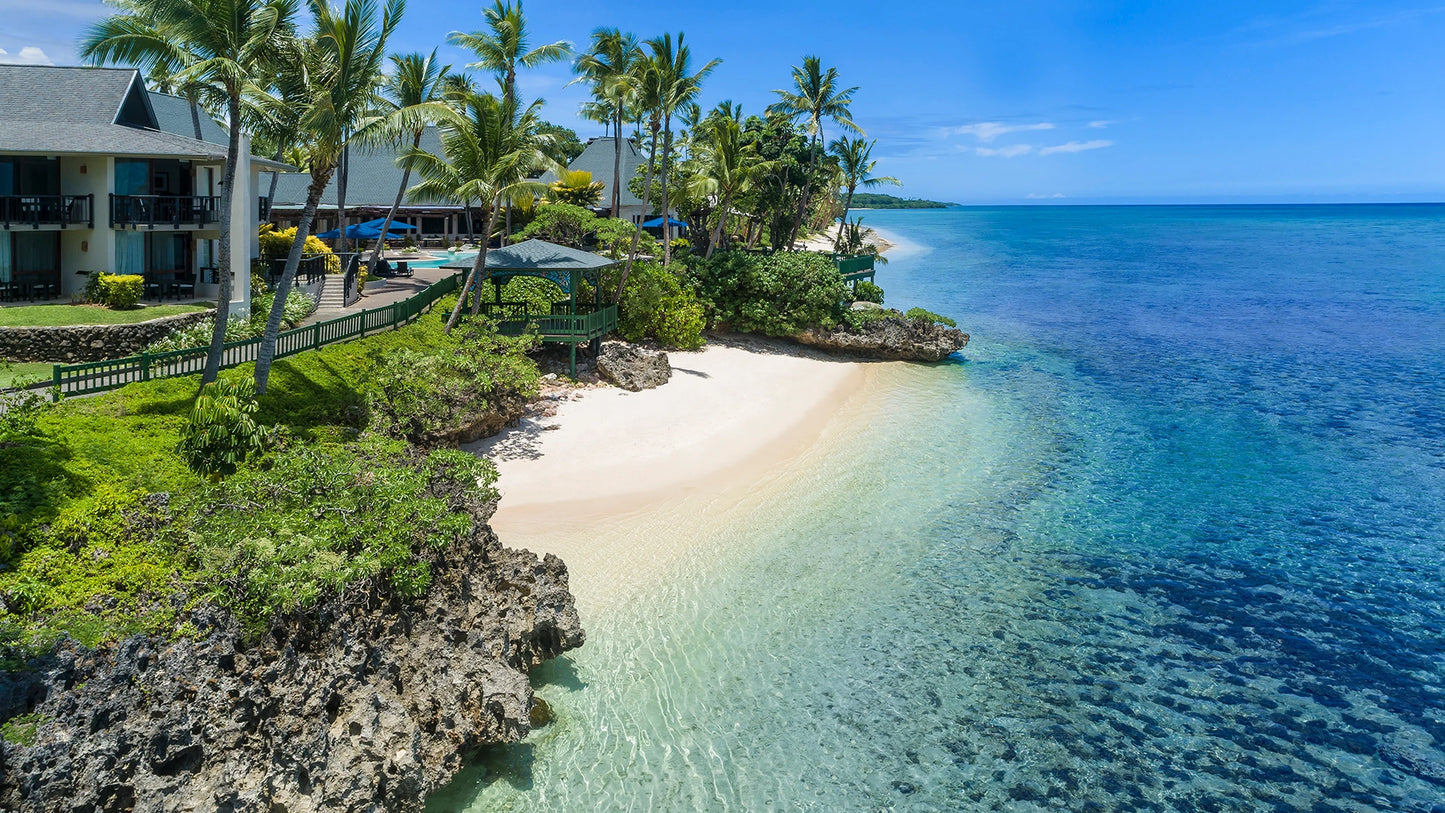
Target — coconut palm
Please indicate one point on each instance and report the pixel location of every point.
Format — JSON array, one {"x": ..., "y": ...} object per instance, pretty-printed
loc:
[
  {"x": 490, "y": 157},
  {"x": 646, "y": 103},
  {"x": 728, "y": 168},
  {"x": 415, "y": 97},
  {"x": 853, "y": 156},
  {"x": 677, "y": 88},
  {"x": 503, "y": 46},
  {"x": 336, "y": 74},
  {"x": 610, "y": 67},
  {"x": 815, "y": 97},
  {"x": 214, "y": 49}
]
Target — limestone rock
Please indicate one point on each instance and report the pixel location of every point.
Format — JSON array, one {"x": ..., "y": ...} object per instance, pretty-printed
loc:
[
  {"x": 633, "y": 368},
  {"x": 367, "y": 704},
  {"x": 891, "y": 338}
]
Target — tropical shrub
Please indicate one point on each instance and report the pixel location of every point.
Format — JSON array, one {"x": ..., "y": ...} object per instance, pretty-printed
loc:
[
  {"x": 614, "y": 238},
  {"x": 420, "y": 393},
  {"x": 778, "y": 294},
  {"x": 222, "y": 432},
  {"x": 298, "y": 307},
  {"x": 115, "y": 291},
  {"x": 866, "y": 291},
  {"x": 561, "y": 223},
  {"x": 276, "y": 245},
  {"x": 282, "y": 539},
  {"x": 657, "y": 305},
  {"x": 921, "y": 315}
]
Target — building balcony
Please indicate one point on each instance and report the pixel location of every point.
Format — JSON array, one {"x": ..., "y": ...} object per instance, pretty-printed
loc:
[
  {"x": 18, "y": 211},
  {"x": 176, "y": 211}
]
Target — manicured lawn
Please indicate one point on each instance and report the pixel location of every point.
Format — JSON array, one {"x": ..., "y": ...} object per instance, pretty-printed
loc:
[
  {"x": 51, "y": 315},
  {"x": 18, "y": 372}
]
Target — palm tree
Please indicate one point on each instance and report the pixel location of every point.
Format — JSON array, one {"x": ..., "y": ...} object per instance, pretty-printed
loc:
[
  {"x": 610, "y": 66},
  {"x": 815, "y": 97},
  {"x": 728, "y": 168},
  {"x": 677, "y": 87},
  {"x": 853, "y": 156},
  {"x": 416, "y": 97},
  {"x": 336, "y": 73},
  {"x": 502, "y": 47},
  {"x": 488, "y": 157},
  {"x": 647, "y": 103},
  {"x": 214, "y": 48}
]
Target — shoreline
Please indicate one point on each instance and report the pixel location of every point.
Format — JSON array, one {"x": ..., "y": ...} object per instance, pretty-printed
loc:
[{"x": 735, "y": 417}]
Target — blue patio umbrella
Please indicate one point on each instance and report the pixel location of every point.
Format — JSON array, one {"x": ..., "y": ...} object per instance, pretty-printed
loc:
[
  {"x": 656, "y": 223},
  {"x": 360, "y": 231},
  {"x": 396, "y": 225}
]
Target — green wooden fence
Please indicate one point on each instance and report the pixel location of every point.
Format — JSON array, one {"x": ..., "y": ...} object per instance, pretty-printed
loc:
[{"x": 99, "y": 376}]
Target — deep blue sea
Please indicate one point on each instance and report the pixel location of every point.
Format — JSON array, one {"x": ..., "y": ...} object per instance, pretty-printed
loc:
[{"x": 1169, "y": 536}]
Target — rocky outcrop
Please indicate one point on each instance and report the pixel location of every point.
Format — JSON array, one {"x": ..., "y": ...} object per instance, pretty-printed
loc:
[
  {"x": 72, "y": 344},
  {"x": 633, "y": 368},
  {"x": 367, "y": 705},
  {"x": 503, "y": 411},
  {"x": 891, "y": 338}
]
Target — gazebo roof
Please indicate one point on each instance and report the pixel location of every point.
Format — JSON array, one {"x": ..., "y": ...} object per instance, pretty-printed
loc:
[{"x": 540, "y": 255}]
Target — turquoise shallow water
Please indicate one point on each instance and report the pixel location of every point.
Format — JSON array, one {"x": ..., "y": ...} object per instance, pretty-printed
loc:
[{"x": 1171, "y": 537}]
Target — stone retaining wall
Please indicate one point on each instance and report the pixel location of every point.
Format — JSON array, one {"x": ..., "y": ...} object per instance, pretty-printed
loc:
[{"x": 71, "y": 344}]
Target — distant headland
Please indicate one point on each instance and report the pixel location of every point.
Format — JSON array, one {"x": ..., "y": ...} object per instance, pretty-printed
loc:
[{"x": 874, "y": 200}]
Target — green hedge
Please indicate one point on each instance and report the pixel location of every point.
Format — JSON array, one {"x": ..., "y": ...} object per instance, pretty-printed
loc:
[{"x": 778, "y": 294}]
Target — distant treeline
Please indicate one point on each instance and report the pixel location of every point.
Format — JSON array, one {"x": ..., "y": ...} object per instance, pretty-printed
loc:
[{"x": 873, "y": 200}]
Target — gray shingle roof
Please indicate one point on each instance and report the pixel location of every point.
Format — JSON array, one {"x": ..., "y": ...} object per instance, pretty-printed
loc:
[
  {"x": 598, "y": 159},
  {"x": 68, "y": 111},
  {"x": 371, "y": 182},
  {"x": 540, "y": 255},
  {"x": 173, "y": 115},
  {"x": 375, "y": 177}
]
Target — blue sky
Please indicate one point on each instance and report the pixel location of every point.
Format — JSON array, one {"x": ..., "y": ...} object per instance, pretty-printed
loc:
[{"x": 1029, "y": 100}]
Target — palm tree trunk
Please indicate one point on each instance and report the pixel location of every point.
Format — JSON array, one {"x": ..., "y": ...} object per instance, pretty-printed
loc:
[
  {"x": 271, "y": 195},
  {"x": 755, "y": 231},
  {"x": 646, "y": 204},
  {"x": 481, "y": 262},
  {"x": 223, "y": 296},
  {"x": 195, "y": 115},
  {"x": 396, "y": 204},
  {"x": 721, "y": 226},
  {"x": 617, "y": 167},
  {"x": 507, "y": 232},
  {"x": 341, "y": 241},
  {"x": 807, "y": 191},
  {"x": 472, "y": 280},
  {"x": 266, "y": 353},
  {"x": 666, "y": 204},
  {"x": 847, "y": 204}
]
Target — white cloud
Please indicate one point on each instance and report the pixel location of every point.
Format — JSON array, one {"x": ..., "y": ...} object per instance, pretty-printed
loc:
[
  {"x": 1099, "y": 125},
  {"x": 1011, "y": 151},
  {"x": 1077, "y": 146},
  {"x": 29, "y": 55},
  {"x": 1037, "y": 196},
  {"x": 987, "y": 131}
]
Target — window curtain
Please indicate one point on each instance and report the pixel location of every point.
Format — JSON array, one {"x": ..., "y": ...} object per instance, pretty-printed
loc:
[
  {"x": 6, "y": 263},
  {"x": 130, "y": 252},
  {"x": 132, "y": 177},
  {"x": 37, "y": 252}
]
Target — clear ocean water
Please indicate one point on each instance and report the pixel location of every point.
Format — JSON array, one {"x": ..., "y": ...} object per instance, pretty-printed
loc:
[{"x": 1171, "y": 536}]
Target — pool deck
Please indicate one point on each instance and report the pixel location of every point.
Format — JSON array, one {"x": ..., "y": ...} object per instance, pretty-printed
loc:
[{"x": 395, "y": 290}]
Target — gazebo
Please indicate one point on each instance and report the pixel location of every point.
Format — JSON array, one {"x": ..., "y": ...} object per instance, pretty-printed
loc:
[{"x": 570, "y": 322}]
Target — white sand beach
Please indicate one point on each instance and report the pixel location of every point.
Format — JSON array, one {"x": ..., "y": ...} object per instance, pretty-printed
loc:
[{"x": 734, "y": 416}]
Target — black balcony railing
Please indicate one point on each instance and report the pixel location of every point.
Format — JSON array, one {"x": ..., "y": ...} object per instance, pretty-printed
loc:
[
  {"x": 163, "y": 210},
  {"x": 47, "y": 210}
]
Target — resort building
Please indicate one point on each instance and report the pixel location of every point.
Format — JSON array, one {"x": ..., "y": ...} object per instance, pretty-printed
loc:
[
  {"x": 372, "y": 179},
  {"x": 598, "y": 159},
  {"x": 99, "y": 174}
]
